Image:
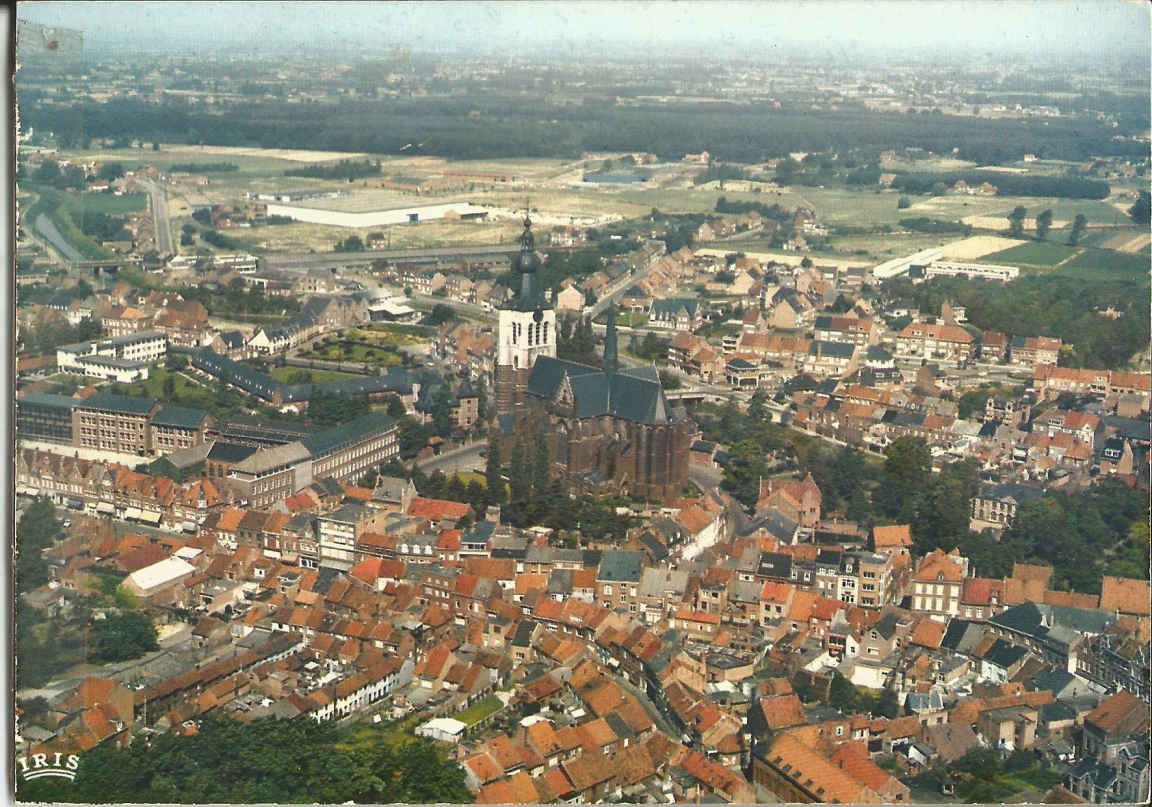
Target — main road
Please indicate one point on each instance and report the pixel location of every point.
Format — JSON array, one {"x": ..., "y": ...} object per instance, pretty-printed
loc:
[
  {"x": 158, "y": 201},
  {"x": 303, "y": 261}
]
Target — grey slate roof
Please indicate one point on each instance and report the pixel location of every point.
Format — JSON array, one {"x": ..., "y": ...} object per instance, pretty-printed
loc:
[
  {"x": 331, "y": 439},
  {"x": 47, "y": 399},
  {"x": 118, "y": 403},
  {"x": 634, "y": 394},
  {"x": 1004, "y": 654},
  {"x": 618, "y": 566},
  {"x": 179, "y": 417},
  {"x": 836, "y": 350}
]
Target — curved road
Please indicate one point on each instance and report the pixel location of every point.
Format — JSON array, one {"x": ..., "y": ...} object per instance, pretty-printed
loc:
[{"x": 47, "y": 228}]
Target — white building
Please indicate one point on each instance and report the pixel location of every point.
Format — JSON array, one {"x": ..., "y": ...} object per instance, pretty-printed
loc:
[
  {"x": 121, "y": 358},
  {"x": 900, "y": 266},
  {"x": 378, "y": 218},
  {"x": 441, "y": 729},
  {"x": 986, "y": 271}
]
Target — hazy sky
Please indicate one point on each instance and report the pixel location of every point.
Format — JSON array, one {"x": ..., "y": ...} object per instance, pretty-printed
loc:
[{"x": 756, "y": 26}]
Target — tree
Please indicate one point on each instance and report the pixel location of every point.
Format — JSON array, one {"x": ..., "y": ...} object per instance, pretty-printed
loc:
[
  {"x": 493, "y": 473},
  {"x": 121, "y": 637},
  {"x": 441, "y": 313},
  {"x": 1043, "y": 224},
  {"x": 481, "y": 403},
  {"x": 541, "y": 467},
  {"x": 111, "y": 171},
  {"x": 1141, "y": 212},
  {"x": 49, "y": 172},
  {"x": 907, "y": 464},
  {"x": 1079, "y": 224},
  {"x": 519, "y": 479},
  {"x": 1016, "y": 221},
  {"x": 169, "y": 387},
  {"x": 902, "y": 203},
  {"x": 442, "y": 411},
  {"x": 38, "y": 529}
]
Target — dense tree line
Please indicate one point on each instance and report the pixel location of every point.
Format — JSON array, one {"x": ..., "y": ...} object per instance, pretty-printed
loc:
[
  {"x": 49, "y": 336},
  {"x": 204, "y": 168},
  {"x": 269, "y": 760},
  {"x": 508, "y": 127},
  {"x": 344, "y": 169},
  {"x": 1006, "y": 184},
  {"x": 1049, "y": 305},
  {"x": 1082, "y": 535},
  {"x": 772, "y": 211},
  {"x": 719, "y": 172},
  {"x": 923, "y": 224}
]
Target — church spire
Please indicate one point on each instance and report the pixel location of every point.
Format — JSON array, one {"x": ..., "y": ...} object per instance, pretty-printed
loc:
[
  {"x": 611, "y": 358},
  {"x": 528, "y": 265}
]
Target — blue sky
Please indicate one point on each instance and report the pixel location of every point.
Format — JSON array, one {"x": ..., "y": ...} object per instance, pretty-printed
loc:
[{"x": 757, "y": 26}]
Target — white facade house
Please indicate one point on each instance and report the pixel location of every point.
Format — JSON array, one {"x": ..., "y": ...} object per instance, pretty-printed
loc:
[{"x": 121, "y": 358}]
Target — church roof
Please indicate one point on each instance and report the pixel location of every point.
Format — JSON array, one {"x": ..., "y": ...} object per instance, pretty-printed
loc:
[{"x": 634, "y": 394}]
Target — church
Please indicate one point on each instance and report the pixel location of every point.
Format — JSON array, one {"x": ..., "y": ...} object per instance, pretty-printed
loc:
[{"x": 610, "y": 430}]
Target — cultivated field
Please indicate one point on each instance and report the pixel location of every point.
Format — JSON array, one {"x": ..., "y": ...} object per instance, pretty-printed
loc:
[
  {"x": 293, "y": 155},
  {"x": 1128, "y": 242},
  {"x": 1033, "y": 253},
  {"x": 1106, "y": 264},
  {"x": 978, "y": 246}
]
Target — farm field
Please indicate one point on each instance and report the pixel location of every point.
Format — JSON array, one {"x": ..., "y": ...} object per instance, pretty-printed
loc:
[
  {"x": 883, "y": 246},
  {"x": 978, "y": 246},
  {"x": 1127, "y": 242},
  {"x": 1035, "y": 253},
  {"x": 1106, "y": 264}
]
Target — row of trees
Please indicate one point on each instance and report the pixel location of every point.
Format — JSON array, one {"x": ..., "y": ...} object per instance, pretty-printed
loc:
[
  {"x": 343, "y": 169},
  {"x": 1067, "y": 187},
  {"x": 204, "y": 168}
]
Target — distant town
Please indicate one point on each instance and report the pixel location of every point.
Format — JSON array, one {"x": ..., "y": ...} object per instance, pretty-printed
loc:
[{"x": 550, "y": 445}]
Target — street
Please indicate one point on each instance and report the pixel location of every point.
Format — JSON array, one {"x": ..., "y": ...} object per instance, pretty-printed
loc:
[
  {"x": 302, "y": 261},
  {"x": 158, "y": 202},
  {"x": 464, "y": 459}
]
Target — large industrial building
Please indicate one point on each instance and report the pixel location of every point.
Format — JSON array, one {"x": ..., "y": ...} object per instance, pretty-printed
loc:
[{"x": 459, "y": 211}]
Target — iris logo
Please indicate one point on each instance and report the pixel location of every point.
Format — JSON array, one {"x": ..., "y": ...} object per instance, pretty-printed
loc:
[{"x": 38, "y": 765}]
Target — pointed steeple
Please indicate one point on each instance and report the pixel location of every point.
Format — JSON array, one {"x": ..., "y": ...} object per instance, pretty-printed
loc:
[{"x": 611, "y": 359}]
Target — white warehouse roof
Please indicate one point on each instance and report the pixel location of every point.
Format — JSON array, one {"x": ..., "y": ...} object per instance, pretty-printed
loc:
[{"x": 161, "y": 572}]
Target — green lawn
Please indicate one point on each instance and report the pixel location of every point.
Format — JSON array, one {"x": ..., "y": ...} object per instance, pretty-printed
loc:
[
  {"x": 108, "y": 203},
  {"x": 284, "y": 374},
  {"x": 187, "y": 393},
  {"x": 1037, "y": 253},
  {"x": 381, "y": 356},
  {"x": 479, "y": 710},
  {"x": 395, "y": 335}
]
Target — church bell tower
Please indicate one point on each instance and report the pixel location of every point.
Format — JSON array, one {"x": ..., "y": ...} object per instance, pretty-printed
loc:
[{"x": 526, "y": 329}]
